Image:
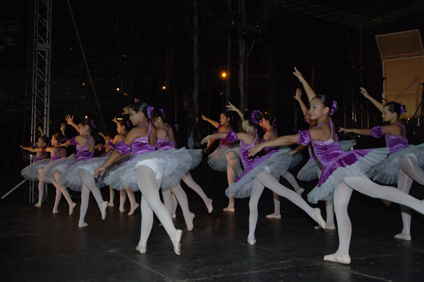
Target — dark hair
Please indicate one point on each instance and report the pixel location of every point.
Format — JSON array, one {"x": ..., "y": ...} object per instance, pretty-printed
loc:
[
  {"x": 394, "y": 107},
  {"x": 125, "y": 124},
  {"x": 248, "y": 116},
  {"x": 140, "y": 107},
  {"x": 59, "y": 137},
  {"x": 44, "y": 139},
  {"x": 269, "y": 117},
  {"x": 326, "y": 101},
  {"x": 157, "y": 113},
  {"x": 226, "y": 114},
  {"x": 90, "y": 123}
]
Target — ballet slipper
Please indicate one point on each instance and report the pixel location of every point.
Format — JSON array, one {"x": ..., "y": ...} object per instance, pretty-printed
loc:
[
  {"x": 38, "y": 205},
  {"x": 318, "y": 218},
  {"x": 121, "y": 209},
  {"x": 103, "y": 210},
  {"x": 251, "y": 241},
  {"x": 227, "y": 209},
  {"x": 177, "y": 242},
  {"x": 402, "y": 236},
  {"x": 71, "y": 208},
  {"x": 274, "y": 215},
  {"x": 82, "y": 224},
  {"x": 142, "y": 250},
  {"x": 55, "y": 211},
  {"x": 110, "y": 204},
  {"x": 189, "y": 221},
  {"x": 333, "y": 258},
  {"x": 133, "y": 209},
  {"x": 300, "y": 191},
  {"x": 209, "y": 206}
]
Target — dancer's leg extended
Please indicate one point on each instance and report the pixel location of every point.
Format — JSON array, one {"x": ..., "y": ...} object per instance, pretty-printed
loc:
[
  {"x": 193, "y": 185},
  {"x": 404, "y": 184},
  {"x": 65, "y": 192},
  {"x": 233, "y": 170},
  {"x": 88, "y": 180},
  {"x": 276, "y": 199},
  {"x": 182, "y": 199},
  {"x": 257, "y": 190}
]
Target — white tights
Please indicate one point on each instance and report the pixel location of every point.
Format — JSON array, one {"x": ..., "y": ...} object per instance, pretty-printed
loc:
[
  {"x": 292, "y": 180},
  {"x": 88, "y": 186},
  {"x": 181, "y": 197},
  {"x": 59, "y": 191},
  {"x": 150, "y": 202},
  {"x": 410, "y": 170},
  {"x": 365, "y": 186},
  {"x": 264, "y": 178},
  {"x": 233, "y": 170}
]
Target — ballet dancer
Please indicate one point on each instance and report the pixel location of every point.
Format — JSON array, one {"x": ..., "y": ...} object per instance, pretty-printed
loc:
[
  {"x": 32, "y": 172},
  {"x": 227, "y": 156},
  {"x": 166, "y": 141},
  {"x": 56, "y": 167},
  {"x": 258, "y": 173},
  {"x": 342, "y": 171},
  {"x": 146, "y": 171},
  {"x": 405, "y": 162},
  {"x": 79, "y": 176}
]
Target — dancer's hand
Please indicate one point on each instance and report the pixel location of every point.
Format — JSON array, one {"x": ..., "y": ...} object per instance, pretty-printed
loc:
[
  {"x": 364, "y": 92},
  {"x": 204, "y": 117},
  {"x": 41, "y": 130},
  {"x": 231, "y": 107},
  {"x": 62, "y": 126},
  {"x": 299, "y": 75},
  {"x": 255, "y": 150},
  {"x": 69, "y": 119},
  {"x": 298, "y": 95},
  {"x": 205, "y": 140},
  {"x": 115, "y": 120},
  {"x": 99, "y": 172},
  {"x": 126, "y": 110}
]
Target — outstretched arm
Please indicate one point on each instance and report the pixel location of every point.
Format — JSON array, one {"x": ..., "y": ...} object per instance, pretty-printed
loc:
[
  {"x": 233, "y": 108},
  {"x": 32, "y": 150},
  {"x": 374, "y": 101},
  {"x": 214, "y": 123},
  {"x": 298, "y": 98},
  {"x": 70, "y": 120},
  {"x": 359, "y": 131},
  {"x": 101, "y": 134},
  {"x": 213, "y": 137},
  {"x": 308, "y": 89}
]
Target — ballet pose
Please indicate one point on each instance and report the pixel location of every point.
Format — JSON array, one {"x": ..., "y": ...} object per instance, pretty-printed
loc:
[
  {"x": 342, "y": 171},
  {"x": 166, "y": 141},
  {"x": 79, "y": 176},
  {"x": 226, "y": 156},
  {"x": 146, "y": 171},
  {"x": 122, "y": 128},
  {"x": 55, "y": 168},
  {"x": 258, "y": 173},
  {"x": 405, "y": 162},
  {"x": 32, "y": 172}
]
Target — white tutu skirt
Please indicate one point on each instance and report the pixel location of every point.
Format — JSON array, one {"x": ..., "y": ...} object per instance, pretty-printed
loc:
[
  {"x": 387, "y": 171},
  {"x": 31, "y": 172},
  {"x": 309, "y": 171},
  {"x": 278, "y": 161},
  {"x": 47, "y": 174},
  {"x": 175, "y": 164},
  {"x": 70, "y": 177},
  {"x": 295, "y": 160},
  {"x": 347, "y": 145},
  {"x": 196, "y": 157},
  {"x": 360, "y": 167},
  {"x": 217, "y": 160}
]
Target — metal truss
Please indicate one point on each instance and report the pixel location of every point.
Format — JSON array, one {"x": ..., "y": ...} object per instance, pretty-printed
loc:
[{"x": 40, "y": 115}]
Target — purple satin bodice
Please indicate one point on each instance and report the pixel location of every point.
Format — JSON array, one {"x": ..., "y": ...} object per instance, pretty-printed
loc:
[
  {"x": 244, "y": 147},
  {"x": 42, "y": 156},
  {"x": 139, "y": 146},
  {"x": 111, "y": 145},
  {"x": 395, "y": 143},
  {"x": 83, "y": 153},
  {"x": 163, "y": 143},
  {"x": 56, "y": 155},
  {"x": 268, "y": 149}
]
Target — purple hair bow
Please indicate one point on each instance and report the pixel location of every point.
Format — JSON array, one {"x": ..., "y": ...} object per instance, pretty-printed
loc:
[
  {"x": 402, "y": 109},
  {"x": 149, "y": 111},
  {"x": 333, "y": 108},
  {"x": 254, "y": 116},
  {"x": 92, "y": 123},
  {"x": 163, "y": 113}
]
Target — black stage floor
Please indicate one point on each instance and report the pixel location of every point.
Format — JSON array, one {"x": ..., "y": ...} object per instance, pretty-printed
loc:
[{"x": 37, "y": 245}]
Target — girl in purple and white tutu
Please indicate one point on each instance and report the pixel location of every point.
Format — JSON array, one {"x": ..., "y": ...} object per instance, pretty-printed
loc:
[
  {"x": 166, "y": 141},
  {"x": 55, "y": 168},
  {"x": 79, "y": 176},
  {"x": 32, "y": 172},
  {"x": 146, "y": 171},
  {"x": 227, "y": 156},
  {"x": 405, "y": 162},
  {"x": 342, "y": 171},
  {"x": 259, "y": 172}
]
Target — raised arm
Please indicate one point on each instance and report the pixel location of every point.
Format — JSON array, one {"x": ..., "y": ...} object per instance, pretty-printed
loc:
[
  {"x": 308, "y": 89},
  {"x": 70, "y": 120},
  {"x": 41, "y": 130},
  {"x": 214, "y": 123},
  {"x": 374, "y": 101},
  {"x": 233, "y": 108},
  {"x": 298, "y": 98},
  {"x": 62, "y": 128}
]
